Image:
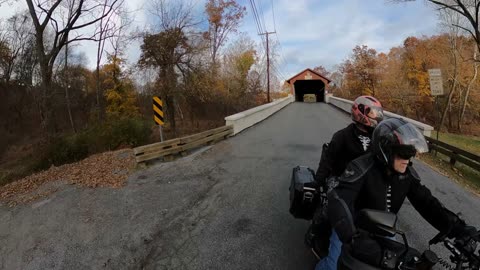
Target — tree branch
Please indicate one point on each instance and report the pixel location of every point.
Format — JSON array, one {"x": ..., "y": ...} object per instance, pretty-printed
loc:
[
  {"x": 463, "y": 28},
  {"x": 96, "y": 20},
  {"x": 447, "y": 6},
  {"x": 33, "y": 14},
  {"x": 49, "y": 13}
]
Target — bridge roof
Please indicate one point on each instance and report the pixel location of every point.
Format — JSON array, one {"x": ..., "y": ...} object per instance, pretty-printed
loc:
[{"x": 309, "y": 70}]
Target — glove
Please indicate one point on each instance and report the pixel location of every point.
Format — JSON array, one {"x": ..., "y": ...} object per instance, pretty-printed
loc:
[
  {"x": 467, "y": 239},
  {"x": 466, "y": 233},
  {"x": 461, "y": 229}
]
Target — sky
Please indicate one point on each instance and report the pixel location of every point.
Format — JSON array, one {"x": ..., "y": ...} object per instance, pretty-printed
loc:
[{"x": 310, "y": 33}]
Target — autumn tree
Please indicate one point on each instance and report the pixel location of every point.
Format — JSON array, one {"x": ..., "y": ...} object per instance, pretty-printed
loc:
[
  {"x": 109, "y": 27},
  {"x": 322, "y": 70},
  {"x": 361, "y": 72},
  {"x": 239, "y": 58},
  {"x": 468, "y": 12},
  {"x": 169, "y": 51},
  {"x": 47, "y": 16},
  {"x": 464, "y": 56},
  {"x": 120, "y": 94},
  {"x": 472, "y": 82},
  {"x": 224, "y": 17}
]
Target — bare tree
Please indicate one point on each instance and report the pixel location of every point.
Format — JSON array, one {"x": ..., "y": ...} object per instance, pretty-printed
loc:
[
  {"x": 69, "y": 6},
  {"x": 15, "y": 35},
  {"x": 46, "y": 15},
  {"x": 450, "y": 19},
  {"x": 468, "y": 10},
  {"x": 169, "y": 50},
  {"x": 106, "y": 28},
  {"x": 468, "y": 88},
  {"x": 224, "y": 18}
]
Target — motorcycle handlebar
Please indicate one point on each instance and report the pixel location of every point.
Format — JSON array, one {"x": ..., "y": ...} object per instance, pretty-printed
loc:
[{"x": 464, "y": 251}]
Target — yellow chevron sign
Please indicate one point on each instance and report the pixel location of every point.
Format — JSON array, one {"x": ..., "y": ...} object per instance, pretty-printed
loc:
[{"x": 158, "y": 111}]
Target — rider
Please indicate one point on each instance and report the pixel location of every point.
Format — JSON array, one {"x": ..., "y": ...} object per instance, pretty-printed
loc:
[
  {"x": 346, "y": 145},
  {"x": 382, "y": 180}
]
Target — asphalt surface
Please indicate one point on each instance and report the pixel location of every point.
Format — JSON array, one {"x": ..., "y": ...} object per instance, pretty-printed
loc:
[{"x": 223, "y": 208}]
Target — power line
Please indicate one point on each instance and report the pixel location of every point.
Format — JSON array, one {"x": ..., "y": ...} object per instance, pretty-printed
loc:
[
  {"x": 255, "y": 16},
  {"x": 282, "y": 58},
  {"x": 261, "y": 30},
  {"x": 268, "y": 66},
  {"x": 273, "y": 12},
  {"x": 279, "y": 70},
  {"x": 277, "y": 73},
  {"x": 282, "y": 62},
  {"x": 262, "y": 17}
]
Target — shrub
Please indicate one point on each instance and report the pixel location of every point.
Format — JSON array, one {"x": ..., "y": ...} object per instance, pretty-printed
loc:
[
  {"x": 125, "y": 132},
  {"x": 67, "y": 149}
]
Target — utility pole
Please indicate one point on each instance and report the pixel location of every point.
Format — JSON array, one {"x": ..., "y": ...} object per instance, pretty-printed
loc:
[{"x": 268, "y": 66}]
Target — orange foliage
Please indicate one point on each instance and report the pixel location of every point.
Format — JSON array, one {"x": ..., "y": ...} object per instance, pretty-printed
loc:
[{"x": 400, "y": 78}]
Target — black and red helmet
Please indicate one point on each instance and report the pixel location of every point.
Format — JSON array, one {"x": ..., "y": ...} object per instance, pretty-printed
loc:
[{"x": 367, "y": 111}]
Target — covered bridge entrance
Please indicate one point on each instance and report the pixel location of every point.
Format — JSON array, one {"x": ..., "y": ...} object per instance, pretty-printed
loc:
[{"x": 308, "y": 82}]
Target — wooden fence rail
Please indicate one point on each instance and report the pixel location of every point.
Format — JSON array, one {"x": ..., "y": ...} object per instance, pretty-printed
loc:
[
  {"x": 180, "y": 145},
  {"x": 455, "y": 153}
]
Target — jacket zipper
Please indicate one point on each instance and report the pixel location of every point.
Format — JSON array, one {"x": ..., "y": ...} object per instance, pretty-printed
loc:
[{"x": 388, "y": 202}]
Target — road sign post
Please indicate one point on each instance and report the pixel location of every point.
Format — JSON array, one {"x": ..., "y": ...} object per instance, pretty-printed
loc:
[
  {"x": 436, "y": 83},
  {"x": 436, "y": 86},
  {"x": 158, "y": 114}
]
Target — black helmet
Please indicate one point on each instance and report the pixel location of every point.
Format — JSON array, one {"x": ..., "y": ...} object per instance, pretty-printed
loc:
[{"x": 395, "y": 136}]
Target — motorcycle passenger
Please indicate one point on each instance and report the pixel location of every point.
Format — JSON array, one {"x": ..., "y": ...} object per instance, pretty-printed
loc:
[
  {"x": 382, "y": 180},
  {"x": 346, "y": 145}
]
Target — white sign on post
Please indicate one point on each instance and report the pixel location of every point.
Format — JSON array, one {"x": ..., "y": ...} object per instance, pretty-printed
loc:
[{"x": 436, "y": 83}]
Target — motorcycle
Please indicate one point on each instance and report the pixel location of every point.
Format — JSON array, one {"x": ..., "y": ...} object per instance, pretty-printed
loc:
[{"x": 378, "y": 228}]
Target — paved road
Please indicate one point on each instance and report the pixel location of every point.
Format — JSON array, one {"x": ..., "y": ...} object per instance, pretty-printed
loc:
[{"x": 224, "y": 208}]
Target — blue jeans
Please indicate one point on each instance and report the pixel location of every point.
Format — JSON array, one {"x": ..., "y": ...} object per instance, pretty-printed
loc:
[{"x": 330, "y": 262}]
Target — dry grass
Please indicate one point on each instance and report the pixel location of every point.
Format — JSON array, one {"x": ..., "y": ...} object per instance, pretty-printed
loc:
[{"x": 461, "y": 173}]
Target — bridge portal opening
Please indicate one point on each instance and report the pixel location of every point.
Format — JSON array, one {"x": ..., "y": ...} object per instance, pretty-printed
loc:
[{"x": 303, "y": 87}]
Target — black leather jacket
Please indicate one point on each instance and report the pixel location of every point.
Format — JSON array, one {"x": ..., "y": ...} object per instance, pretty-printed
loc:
[
  {"x": 366, "y": 184},
  {"x": 346, "y": 145}
]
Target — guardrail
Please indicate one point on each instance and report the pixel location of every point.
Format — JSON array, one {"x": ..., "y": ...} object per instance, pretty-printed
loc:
[
  {"x": 454, "y": 153},
  {"x": 346, "y": 105},
  {"x": 180, "y": 145},
  {"x": 248, "y": 118}
]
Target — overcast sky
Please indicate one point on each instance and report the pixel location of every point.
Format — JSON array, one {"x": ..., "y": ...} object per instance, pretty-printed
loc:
[{"x": 311, "y": 33}]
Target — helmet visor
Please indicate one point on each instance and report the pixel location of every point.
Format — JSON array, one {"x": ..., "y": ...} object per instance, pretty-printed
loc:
[
  {"x": 375, "y": 114},
  {"x": 408, "y": 134},
  {"x": 404, "y": 151}
]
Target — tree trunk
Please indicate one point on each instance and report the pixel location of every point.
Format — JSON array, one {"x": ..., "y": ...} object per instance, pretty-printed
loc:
[
  {"x": 171, "y": 113},
  {"x": 44, "y": 104},
  {"x": 67, "y": 86},
  {"x": 97, "y": 88},
  {"x": 467, "y": 93},
  {"x": 454, "y": 85},
  {"x": 447, "y": 106},
  {"x": 450, "y": 126}
]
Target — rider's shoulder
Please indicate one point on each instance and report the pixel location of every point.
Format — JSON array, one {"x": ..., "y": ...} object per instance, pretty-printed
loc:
[
  {"x": 357, "y": 168},
  {"x": 346, "y": 130},
  {"x": 413, "y": 173}
]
